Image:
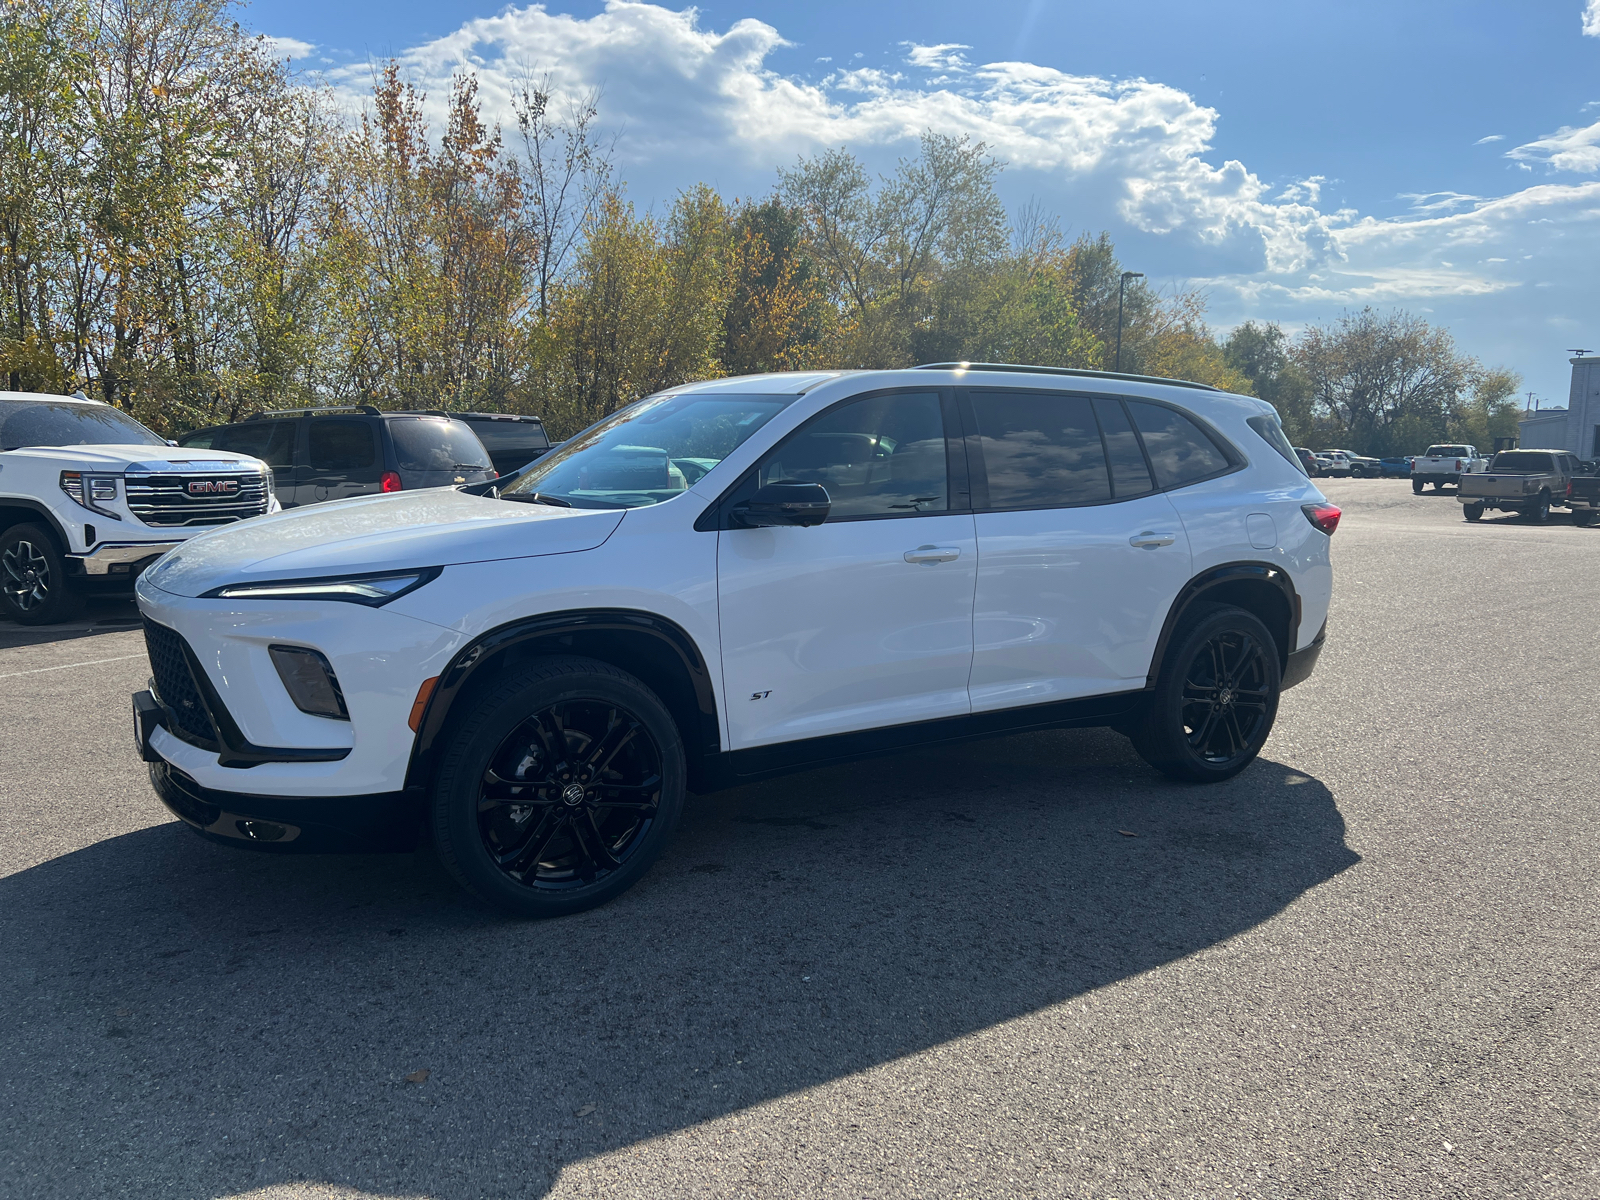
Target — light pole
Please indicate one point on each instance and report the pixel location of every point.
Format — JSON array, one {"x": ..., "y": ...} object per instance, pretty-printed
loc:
[{"x": 1122, "y": 286}]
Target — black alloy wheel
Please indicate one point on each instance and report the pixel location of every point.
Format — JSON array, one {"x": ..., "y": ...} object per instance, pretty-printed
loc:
[
  {"x": 1472, "y": 512},
  {"x": 1215, "y": 699},
  {"x": 559, "y": 789},
  {"x": 34, "y": 589}
]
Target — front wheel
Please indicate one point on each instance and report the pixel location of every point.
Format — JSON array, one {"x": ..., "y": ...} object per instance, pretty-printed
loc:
[
  {"x": 34, "y": 588},
  {"x": 1215, "y": 698},
  {"x": 1416, "y": 487},
  {"x": 1472, "y": 512},
  {"x": 559, "y": 789}
]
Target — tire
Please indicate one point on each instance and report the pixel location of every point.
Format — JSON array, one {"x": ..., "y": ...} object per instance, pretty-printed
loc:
[
  {"x": 565, "y": 849},
  {"x": 1416, "y": 487},
  {"x": 1472, "y": 512},
  {"x": 1192, "y": 727},
  {"x": 1584, "y": 517},
  {"x": 1539, "y": 511},
  {"x": 1357, "y": 473},
  {"x": 34, "y": 586}
]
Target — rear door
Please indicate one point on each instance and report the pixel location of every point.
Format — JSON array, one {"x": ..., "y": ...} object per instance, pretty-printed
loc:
[
  {"x": 1079, "y": 557},
  {"x": 342, "y": 459}
]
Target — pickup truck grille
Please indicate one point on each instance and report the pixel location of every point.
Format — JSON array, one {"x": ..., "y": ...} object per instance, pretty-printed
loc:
[
  {"x": 195, "y": 499},
  {"x": 175, "y": 686}
]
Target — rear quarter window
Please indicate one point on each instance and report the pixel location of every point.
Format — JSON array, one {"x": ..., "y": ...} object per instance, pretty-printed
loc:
[{"x": 1180, "y": 451}]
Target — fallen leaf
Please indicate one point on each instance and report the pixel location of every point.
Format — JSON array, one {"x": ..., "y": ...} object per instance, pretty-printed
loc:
[
  {"x": 1125, "y": 833},
  {"x": 419, "y": 1076},
  {"x": 586, "y": 1110}
]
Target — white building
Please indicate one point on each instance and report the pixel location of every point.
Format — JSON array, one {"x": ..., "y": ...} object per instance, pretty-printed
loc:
[{"x": 1575, "y": 428}]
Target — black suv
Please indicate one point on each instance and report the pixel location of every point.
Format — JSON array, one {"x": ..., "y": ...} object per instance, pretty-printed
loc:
[
  {"x": 512, "y": 441},
  {"x": 327, "y": 453}
]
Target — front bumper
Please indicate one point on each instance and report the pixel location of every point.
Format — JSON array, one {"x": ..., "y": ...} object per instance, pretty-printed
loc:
[
  {"x": 120, "y": 558},
  {"x": 388, "y": 822}
]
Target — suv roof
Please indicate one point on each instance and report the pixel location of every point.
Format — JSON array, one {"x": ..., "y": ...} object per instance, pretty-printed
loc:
[{"x": 1017, "y": 369}]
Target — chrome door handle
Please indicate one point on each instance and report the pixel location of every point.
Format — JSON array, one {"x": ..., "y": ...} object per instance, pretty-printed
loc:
[
  {"x": 1150, "y": 540},
  {"x": 933, "y": 554}
]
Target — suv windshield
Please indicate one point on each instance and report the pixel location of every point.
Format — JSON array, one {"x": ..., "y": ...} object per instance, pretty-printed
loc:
[
  {"x": 69, "y": 423},
  {"x": 1521, "y": 462},
  {"x": 648, "y": 452},
  {"x": 436, "y": 444}
]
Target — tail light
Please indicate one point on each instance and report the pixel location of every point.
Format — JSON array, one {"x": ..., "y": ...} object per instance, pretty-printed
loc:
[
  {"x": 1569, "y": 489},
  {"x": 1324, "y": 516},
  {"x": 390, "y": 481},
  {"x": 1459, "y": 464}
]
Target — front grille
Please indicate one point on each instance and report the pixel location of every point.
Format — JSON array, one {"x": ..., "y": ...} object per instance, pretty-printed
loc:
[
  {"x": 174, "y": 684},
  {"x": 187, "y": 499}
]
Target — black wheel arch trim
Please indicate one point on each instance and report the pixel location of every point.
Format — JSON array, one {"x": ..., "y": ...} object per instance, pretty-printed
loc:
[
  {"x": 38, "y": 510},
  {"x": 1219, "y": 576},
  {"x": 701, "y": 743}
]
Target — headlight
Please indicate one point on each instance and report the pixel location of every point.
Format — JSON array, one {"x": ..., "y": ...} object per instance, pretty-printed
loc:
[
  {"x": 91, "y": 490},
  {"x": 371, "y": 590}
]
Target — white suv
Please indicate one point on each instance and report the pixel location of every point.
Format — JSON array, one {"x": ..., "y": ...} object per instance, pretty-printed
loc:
[
  {"x": 88, "y": 496},
  {"x": 726, "y": 581}
]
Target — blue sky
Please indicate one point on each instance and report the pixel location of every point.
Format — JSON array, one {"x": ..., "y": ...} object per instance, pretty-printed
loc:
[{"x": 1292, "y": 159}]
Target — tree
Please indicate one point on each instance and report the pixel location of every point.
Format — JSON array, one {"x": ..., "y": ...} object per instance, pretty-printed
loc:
[{"x": 1261, "y": 352}]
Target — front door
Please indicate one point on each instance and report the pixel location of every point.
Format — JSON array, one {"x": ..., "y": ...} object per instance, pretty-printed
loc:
[
  {"x": 866, "y": 620},
  {"x": 1080, "y": 559}
]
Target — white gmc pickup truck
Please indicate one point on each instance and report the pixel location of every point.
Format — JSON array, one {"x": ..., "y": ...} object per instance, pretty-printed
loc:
[{"x": 89, "y": 497}]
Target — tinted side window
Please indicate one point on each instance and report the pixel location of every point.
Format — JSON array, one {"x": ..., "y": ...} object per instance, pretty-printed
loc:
[
  {"x": 199, "y": 441},
  {"x": 883, "y": 456},
  {"x": 342, "y": 446},
  {"x": 271, "y": 441},
  {"x": 1130, "y": 474},
  {"x": 1179, "y": 450},
  {"x": 510, "y": 436},
  {"x": 1040, "y": 450}
]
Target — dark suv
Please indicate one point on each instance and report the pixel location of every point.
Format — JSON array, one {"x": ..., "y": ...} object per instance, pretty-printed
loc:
[
  {"x": 327, "y": 453},
  {"x": 512, "y": 441}
]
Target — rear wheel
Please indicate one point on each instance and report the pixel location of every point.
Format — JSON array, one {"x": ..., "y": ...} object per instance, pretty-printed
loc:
[
  {"x": 1215, "y": 699},
  {"x": 1472, "y": 512},
  {"x": 1416, "y": 487},
  {"x": 559, "y": 789},
  {"x": 1584, "y": 516},
  {"x": 34, "y": 588},
  {"x": 1539, "y": 511}
]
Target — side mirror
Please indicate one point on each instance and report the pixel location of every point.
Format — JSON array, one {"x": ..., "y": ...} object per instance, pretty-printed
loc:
[{"x": 788, "y": 502}]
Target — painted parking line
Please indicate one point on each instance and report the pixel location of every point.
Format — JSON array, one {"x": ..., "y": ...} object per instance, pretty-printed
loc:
[{"x": 93, "y": 662}]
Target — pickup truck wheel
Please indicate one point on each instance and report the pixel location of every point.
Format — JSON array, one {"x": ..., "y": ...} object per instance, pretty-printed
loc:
[
  {"x": 559, "y": 789},
  {"x": 1472, "y": 512},
  {"x": 1215, "y": 698},
  {"x": 1584, "y": 516},
  {"x": 1539, "y": 511},
  {"x": 1416, "y": 487},
  {"x": 34, "y": 588}
]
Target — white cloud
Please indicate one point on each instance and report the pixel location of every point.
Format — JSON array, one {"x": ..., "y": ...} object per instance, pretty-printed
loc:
[
  {"x": 944, "y": 57},
  {"x": 1591, "y": 19},
  {"x": 287, "y": 47},
  {"x": 1497, "y": 137},
  {"x": 1131, "y": 155},
  {"x": 1567, "y": 149}
]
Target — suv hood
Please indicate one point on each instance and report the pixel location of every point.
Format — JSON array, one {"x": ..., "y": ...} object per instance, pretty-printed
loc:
[
  {"x": 138, "y": 458},
  {"x": 435, "y": 528}
]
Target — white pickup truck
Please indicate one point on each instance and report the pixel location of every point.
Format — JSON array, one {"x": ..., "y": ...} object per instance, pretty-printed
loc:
[
  {"x": 1445, "y": 463},
  {"x": 89, "y": 497}
]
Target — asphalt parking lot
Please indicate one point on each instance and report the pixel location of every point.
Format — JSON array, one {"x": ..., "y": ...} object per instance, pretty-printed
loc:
[{"x": 1367, "y": 967}]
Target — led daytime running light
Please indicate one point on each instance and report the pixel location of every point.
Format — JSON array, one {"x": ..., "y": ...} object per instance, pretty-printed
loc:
[{"x": 371, "y": 590}]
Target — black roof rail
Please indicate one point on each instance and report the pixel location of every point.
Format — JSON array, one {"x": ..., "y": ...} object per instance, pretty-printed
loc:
[
  {"x": 365, "y": 409},
  {"x": 1078, "y": 372}
]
